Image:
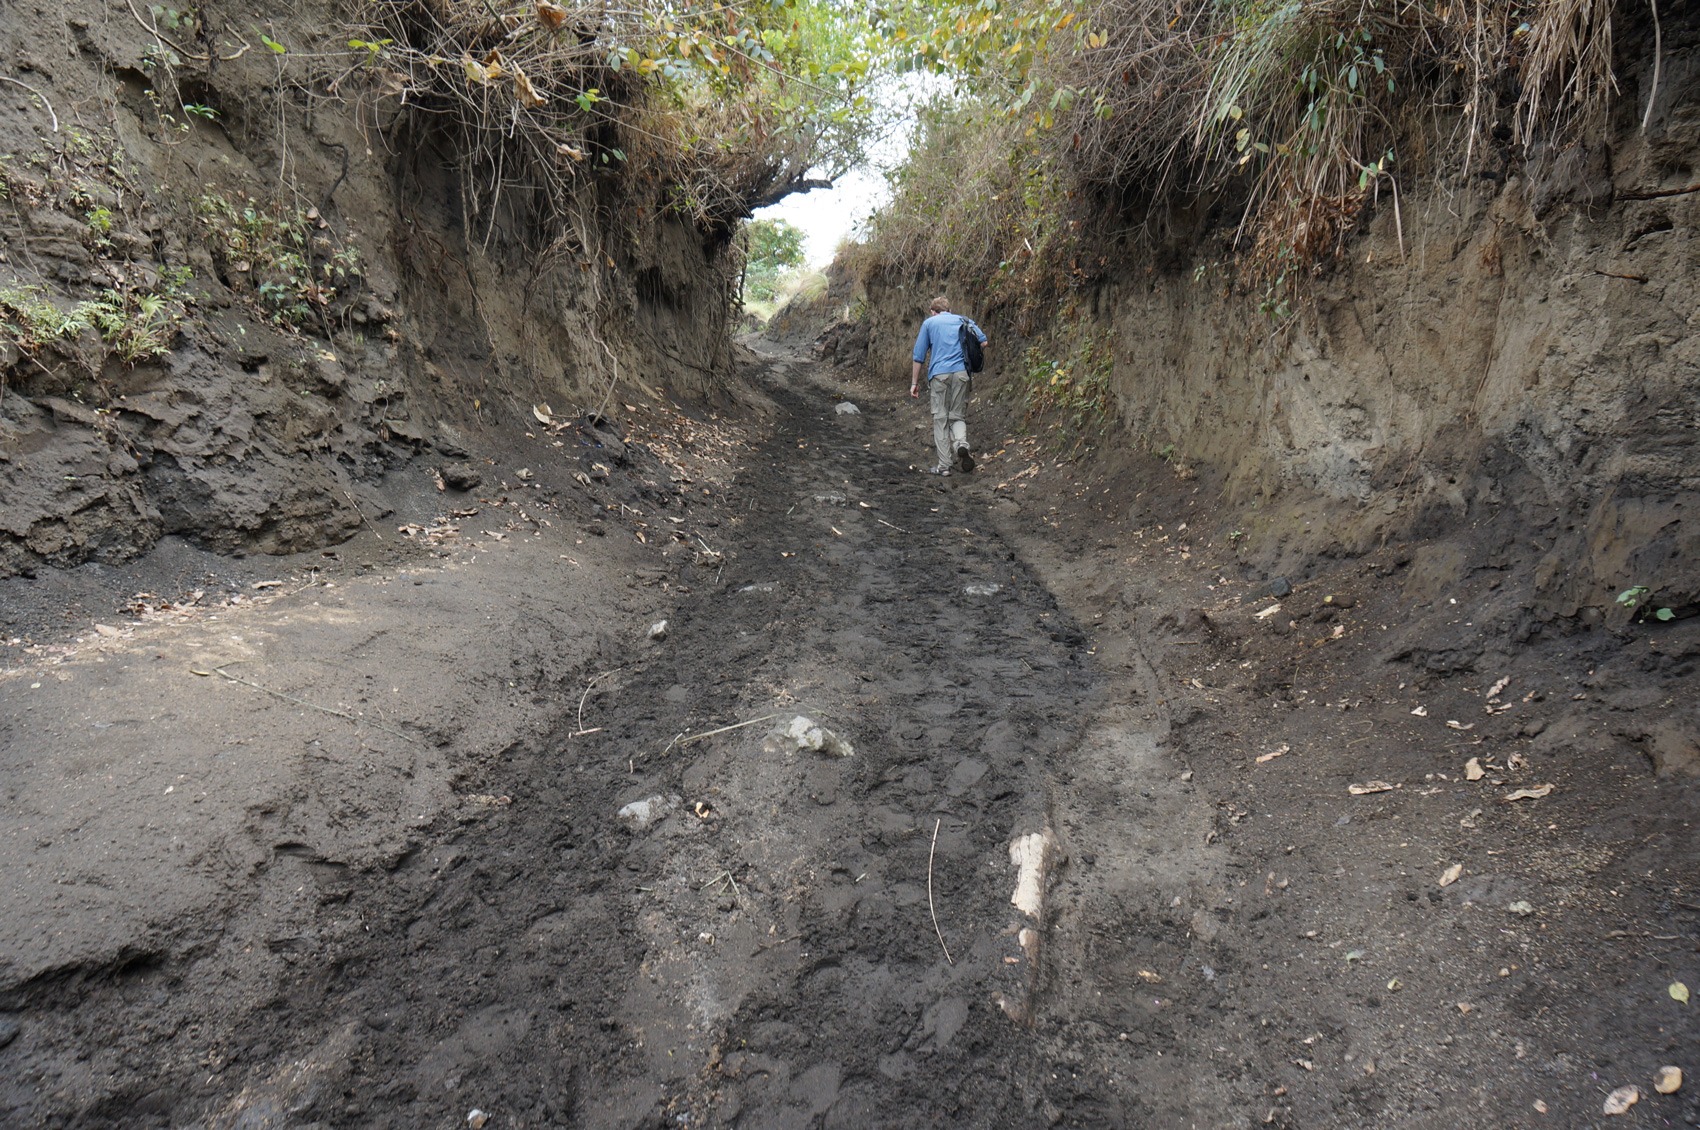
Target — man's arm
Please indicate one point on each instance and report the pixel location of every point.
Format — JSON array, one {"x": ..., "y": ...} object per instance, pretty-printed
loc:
[{"x": 917, "y": 357}]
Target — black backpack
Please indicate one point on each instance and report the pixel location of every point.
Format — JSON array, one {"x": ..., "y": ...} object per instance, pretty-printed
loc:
[{"x": 973, "y": 354}]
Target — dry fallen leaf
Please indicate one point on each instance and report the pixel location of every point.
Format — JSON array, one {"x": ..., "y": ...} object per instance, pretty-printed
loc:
[
  {"x": 1274, "y": 753},
  {"x": 550, "y": 15},
  {"x": 1620, "y": 1100},
  {"x": 1454, "y": 724},
  {"x": 1267, "y": 612},
  {"x": 1473, "y": 770},
  {"x": 1369, "y": 787},
  {"x": 1451, "y": 874},
  {"x": 1540, "y": 1106},
  {"x": 1679, "y": 992},
  {"x": 1421, "y": 712},
  {"x": 1529, "y": 794},
  {"x": 524, "y": 91},
  {"x": 1147, "y": 975},
  {"x": 1493, "y": 691},
  {"x": 1667, "y": 1080}
]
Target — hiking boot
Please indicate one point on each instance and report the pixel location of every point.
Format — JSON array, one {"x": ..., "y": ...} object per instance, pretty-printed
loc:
[
  {"x": 941, "y": 469},
  {"x": 965, "y": 458}
]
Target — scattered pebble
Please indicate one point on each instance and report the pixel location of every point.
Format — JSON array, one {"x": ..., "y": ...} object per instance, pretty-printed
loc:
[
  {"x": 985, "y": 589},
  {"x": 845, "y": 408},
  {"x": 640, "y": 814},
  {"x": 476, "y": 1118},
  {"x": 805, "y": 734},
  {"x": 658, "y": 630},
  {"x": 1521, "y": 906},
  {"x": 1620, "y": 1100},
  {"x": 1451, "y": 874},
  {"x": 1667, "y": 1080}
]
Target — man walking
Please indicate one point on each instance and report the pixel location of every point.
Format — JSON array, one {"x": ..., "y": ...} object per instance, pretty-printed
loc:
[{"x": 947, "y": 383}]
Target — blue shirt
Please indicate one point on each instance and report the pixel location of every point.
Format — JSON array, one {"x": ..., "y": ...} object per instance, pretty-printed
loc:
[{"x": 939, "y": 335}]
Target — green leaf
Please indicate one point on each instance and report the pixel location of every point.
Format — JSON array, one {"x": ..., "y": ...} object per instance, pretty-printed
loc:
[
  {"x": 276, "y": 47},
  {"x": 1664, "y": 614}
]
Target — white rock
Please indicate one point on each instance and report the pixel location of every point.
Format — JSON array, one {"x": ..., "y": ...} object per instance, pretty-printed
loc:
[
  {"x": 1030, "y": 855},
  {"x": 640, "y": 814},
  {"x": 845, "y": 408},
  {"x": 658, "y": 630},
  {"x": 1667, "y": 1080},
  {"x": 982, "y": 589},
  {"x": 805, "y": 734},
  {"x": 1620, "y": 1100}
]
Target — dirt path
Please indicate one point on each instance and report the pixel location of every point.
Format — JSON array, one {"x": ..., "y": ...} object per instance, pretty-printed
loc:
[{"x": 1221, "y": 938}]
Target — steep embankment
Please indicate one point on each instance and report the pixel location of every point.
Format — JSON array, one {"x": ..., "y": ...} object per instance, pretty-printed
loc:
[
  {"x": 243, "y": 275},
  {"x": 1511, "y": 357}
]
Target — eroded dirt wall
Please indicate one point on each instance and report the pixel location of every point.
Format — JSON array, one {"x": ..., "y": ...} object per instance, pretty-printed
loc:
[
  {"x": 142, "y": 143},
  {"x": 1510, "y": 362}
]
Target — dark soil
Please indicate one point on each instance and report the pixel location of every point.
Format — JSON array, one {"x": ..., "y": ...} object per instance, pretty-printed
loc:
[{"x": 400, "y": 914}]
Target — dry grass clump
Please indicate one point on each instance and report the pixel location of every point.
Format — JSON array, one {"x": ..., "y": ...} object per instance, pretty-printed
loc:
[{"x": 1294, "y": 113}]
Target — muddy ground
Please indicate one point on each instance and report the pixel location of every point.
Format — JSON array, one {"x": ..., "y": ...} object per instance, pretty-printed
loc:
[{"x": 347, "y": 851}]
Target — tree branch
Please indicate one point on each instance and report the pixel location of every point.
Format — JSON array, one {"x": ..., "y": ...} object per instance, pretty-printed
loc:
[{"x": 787, "y": 188}]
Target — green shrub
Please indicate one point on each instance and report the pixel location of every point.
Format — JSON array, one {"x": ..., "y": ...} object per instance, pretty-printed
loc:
[{"x": 284, "y": 257}]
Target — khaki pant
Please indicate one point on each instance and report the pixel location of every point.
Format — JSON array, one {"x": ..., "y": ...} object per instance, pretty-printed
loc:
[{"x": 949, "y": 395}]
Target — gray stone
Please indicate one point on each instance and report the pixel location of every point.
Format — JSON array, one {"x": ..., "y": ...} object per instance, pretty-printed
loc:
[
  {"x": 461, "y": 476},
  {"x": 640, "y": 814}
]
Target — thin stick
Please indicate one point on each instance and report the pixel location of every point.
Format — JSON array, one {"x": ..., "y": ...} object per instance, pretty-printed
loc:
[
  {"x": 358, "y": 513},
  {"x": 948, "y": 959},
  {"x": 309, "y": 705},
  {"x": 163, "y": 41},
  {"x": 38, "y": 94},
  {"x": 1658, "y": 61},
  {"x": 587, "y": 687},
  {"x": 883, "y": 522},
  {"x": 682, "y": 741}
]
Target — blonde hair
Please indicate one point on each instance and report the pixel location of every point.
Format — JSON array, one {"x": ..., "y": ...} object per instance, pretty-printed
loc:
[{"x": 939, "y": 305}]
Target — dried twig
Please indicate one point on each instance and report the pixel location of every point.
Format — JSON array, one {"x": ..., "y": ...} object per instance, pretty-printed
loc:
[
  {"x": 358, "y": 513},
  {"x": 358, "y": 721},
  {"x": 722, "y": 879},
  {"x": 930, "y": 851},
  {"x": 581, "y": 731},
  {"x": 38, "y": 94},
  {"x": 684, "y": 740},
  {"x": 1658, "y": 64}
]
